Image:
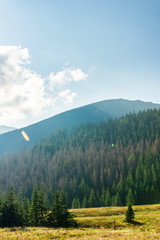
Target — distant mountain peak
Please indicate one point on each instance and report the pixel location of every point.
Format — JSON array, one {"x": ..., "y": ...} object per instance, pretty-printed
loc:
[{"x": 5, "y": 129}]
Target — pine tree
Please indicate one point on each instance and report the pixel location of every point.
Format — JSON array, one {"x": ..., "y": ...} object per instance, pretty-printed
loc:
[
  {"x": 35, "y": 208},
  {"x": 92, "y": 199},
  {"x": 129, "y": 214},
  {"x": 20, "y": 205},
  {"x": 84, "y": 203},
  {"x": 10, "y": 211},
  {"x": 98, "y": 199},
  {"x": 60, "y": 216},
  {"x": 78, "y": 205},
  {"x": 103, "y": 195},
  {"x": 43, "y": 206},
  {"x": 117, "y": 200},
  {"x": 74, "y": 203},
  {"x": 113, "y": 200},
  {"x": 129, "y": 198},
  {"x": 108, "y": 198},
  {"x": 26, "y": 206}
]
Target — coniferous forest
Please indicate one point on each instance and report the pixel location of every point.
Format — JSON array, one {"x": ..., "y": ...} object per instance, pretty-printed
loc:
[
  {"x": 15, "y": 210},
  {"x": 112, "y": 163}
]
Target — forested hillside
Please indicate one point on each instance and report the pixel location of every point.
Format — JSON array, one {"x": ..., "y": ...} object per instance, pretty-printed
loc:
[
  {"x": 110, "y": 163},
  {"x": 13, "y": 142}
]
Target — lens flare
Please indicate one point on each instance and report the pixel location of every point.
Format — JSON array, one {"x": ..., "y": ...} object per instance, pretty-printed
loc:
[
  {"x": 130, "y": 156},
  {"x": 25, "y": 136}
]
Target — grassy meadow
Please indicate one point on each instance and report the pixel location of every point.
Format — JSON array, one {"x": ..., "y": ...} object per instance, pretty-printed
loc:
[{"x": 98, "y": 223}]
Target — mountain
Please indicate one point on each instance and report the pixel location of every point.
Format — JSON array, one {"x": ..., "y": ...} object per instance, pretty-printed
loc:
[
  {"x": 5, "y": 129},
  {"x": 110, "y": 163},
  {"x": 96, "y": 112}
]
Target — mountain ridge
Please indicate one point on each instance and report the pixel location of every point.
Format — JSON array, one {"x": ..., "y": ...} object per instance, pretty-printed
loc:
[
  {"x": 5, "y": 129},
  {"x": 100, "y": 111}
]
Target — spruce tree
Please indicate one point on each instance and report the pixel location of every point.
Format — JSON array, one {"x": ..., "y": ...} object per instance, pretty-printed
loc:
[
  {"x": 78, "y": 205},
  {"x": 26, "y": 206},
  {"x": 129, "y": 198},
  {"x": 10, "y": 211},
  {"x": 60, "y": 216},
  {"x": 98, "y": 199},
  {"x": 84, "y": 203},
  {"x": 129, "y": 214},
  {"x": 117, "y": 200},
  {"x": 43, "y": 206},
  {"x": 35, "y": 208},
  {"x": 92, "y": 202},
  {"x": 108, "y": 198},
  {"x": 21, "y": 210},
  {"x": 102, "y": 200},
  {"x": 113, "y": 200},
  {"x": 74, "y": 203}
]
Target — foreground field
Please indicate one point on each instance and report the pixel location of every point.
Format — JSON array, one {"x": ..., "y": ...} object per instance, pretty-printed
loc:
[{"x": 98, "y": 223}]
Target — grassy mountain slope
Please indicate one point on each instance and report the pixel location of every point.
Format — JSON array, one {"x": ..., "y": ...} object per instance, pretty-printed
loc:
[{"x": 96, "y": 112}]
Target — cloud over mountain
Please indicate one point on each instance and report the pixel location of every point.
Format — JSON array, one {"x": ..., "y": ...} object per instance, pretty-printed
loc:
[{"x": 25, "y": 93}]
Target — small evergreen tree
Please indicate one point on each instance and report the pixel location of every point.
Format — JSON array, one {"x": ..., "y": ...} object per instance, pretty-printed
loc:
[
  {"x": 102, "y": 199},
  {"x": 76, "y": 203},
  {"x": 84, "y": 203},
  {"x": 113, "y": 200},
  {"x": 60, "y": 216},
  {"x": 98, "y": 199},
  {"x": 129, "y": 214},
  {"x": 108, "y": 198},
  {"x": 118, "y": 200},
  {"x": 92, "y": 202}
]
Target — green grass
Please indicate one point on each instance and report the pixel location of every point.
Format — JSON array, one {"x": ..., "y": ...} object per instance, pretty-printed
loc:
[{"x": 98, "y": 223}]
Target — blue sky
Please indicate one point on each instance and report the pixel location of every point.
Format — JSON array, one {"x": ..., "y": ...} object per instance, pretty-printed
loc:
[{"x": 71, "y": 53}]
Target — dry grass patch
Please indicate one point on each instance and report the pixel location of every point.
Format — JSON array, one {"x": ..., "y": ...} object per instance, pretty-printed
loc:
[
  {"x": 98, "y": 224},
  {"x": 88, "y": 234}
]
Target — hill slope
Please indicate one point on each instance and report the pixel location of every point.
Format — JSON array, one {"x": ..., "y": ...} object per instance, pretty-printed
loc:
[
  {"x": 96, "y": 112},
  {"x": 103, "y": 164}
]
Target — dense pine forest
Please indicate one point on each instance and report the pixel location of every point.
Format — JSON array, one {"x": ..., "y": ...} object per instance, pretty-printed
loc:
[{"x": 107, "y": 164}]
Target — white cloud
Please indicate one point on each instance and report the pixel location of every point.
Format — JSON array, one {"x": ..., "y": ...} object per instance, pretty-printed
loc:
[
  {"x": 26, "y": 94},
  {"x": 66, "y": 96},
  {"x": 66, "y": 76}
]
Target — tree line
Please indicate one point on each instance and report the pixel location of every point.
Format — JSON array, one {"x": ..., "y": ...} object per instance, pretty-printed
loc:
[
  {"x": 106, "y": 164},
  {"x": 16, "y": 210}
]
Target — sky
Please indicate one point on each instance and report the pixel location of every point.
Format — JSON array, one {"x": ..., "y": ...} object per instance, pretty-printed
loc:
[{"x": 56, "y": 55}]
